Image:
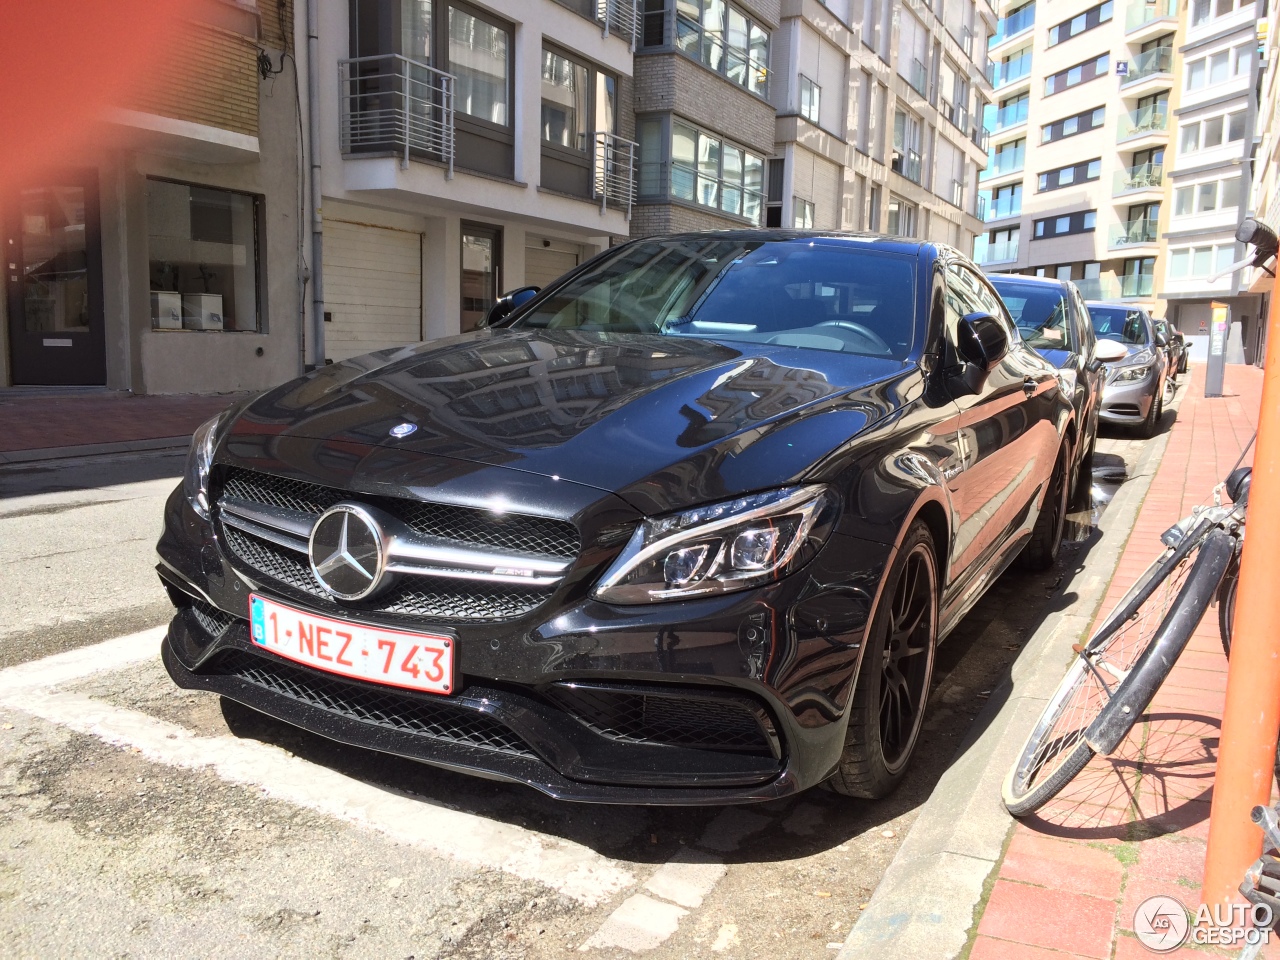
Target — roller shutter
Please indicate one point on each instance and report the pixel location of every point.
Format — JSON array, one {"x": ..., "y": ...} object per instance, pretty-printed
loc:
[{"x": 372, "y": 288}]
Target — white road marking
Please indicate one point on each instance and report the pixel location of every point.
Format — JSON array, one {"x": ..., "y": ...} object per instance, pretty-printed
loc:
[
  {"x": 640, "y": 924},
  {"x": 572, "y": 869},
  {"x": 687, "y": 878}
]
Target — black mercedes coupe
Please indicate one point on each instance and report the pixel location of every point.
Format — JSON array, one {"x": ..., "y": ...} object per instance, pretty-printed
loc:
[{"x": 685, "y": 527}]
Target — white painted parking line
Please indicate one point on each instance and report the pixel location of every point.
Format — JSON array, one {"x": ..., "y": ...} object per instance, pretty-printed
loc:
[
  {"x": 687, "y": 878},
  {"x": 573, "y": 869},
  {"x": 641, "y": 923}
]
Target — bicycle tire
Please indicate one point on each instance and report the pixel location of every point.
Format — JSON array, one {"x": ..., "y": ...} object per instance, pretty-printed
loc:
[
  {"x": 1227, "y": 607},
  {"x": 1055, "y": 752}
]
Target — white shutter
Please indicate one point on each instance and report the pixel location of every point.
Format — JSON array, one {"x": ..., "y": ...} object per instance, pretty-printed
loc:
[{"x": 372, "y": 288}]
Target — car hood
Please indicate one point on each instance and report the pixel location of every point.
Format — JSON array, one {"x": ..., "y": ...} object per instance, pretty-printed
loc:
[{"x": 661, "y": 421}]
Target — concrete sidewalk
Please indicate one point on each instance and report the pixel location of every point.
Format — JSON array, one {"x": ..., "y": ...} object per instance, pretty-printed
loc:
[
  {"x": 35, "y": 425},
  {"x": 1134, "y": 824}
]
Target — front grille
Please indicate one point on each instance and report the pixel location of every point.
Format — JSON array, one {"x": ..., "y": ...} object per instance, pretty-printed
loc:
[
  {"x": 427, "y": 598},
  {"x": 378, "y": 706},
  {"x": 213, "y": 621},
  {"x": 439, "y": 599},
  {"x": 701, "y": 722}
]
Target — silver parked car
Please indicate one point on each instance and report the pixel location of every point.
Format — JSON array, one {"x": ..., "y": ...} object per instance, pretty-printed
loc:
[{"x": 1134, "y": 392}]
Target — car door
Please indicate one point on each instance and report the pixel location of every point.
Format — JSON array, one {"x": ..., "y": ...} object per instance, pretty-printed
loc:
[
  {"x": 1010, "y": 437},
  {"x": 1091, "y": 368}
]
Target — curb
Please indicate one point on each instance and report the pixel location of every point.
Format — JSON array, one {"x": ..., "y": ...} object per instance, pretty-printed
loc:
[
  {"x": 94, "y": 450},
  {"x": 926, "y": 902}
]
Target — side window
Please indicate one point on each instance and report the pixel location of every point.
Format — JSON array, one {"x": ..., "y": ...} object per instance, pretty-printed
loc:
[{"x": 980, "y": 297}]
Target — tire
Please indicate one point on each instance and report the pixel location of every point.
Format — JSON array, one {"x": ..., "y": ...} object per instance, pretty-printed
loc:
[
  {"x": 1082, "y": 485},
  {"x": 1151, "y": 425},
  {"x": 897, "y": 665},
  {"x": 1056, "y": 750},
  {"x": 1046, "y": 536}
]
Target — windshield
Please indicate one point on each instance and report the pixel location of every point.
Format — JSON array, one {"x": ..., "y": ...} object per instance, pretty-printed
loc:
[
  {"x": 1039, "y": 311},
  {"x": 1117, "y": 323},
  {"x": 824, "y": 295}
]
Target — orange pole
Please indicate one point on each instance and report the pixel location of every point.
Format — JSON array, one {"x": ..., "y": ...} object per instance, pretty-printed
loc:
[{"x": 1246, "y": 757}]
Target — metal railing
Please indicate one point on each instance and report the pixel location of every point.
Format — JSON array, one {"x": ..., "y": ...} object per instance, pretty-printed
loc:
[
  {"x": 1010, "y": 71},
  {"x": 613, "y": 177},
  {"x": 1012, "y": 115},
  {"x": 981, "y": 137},
  {"x": 1098, "y": 288},
  {"x": 1004, "y": 251},
  {"x": 1149, "y": 63},
  {"x": 395, "y": 104},
  {"x": 1137, "y": 285},
  {"x": 1142, "y": 230},
  {"x": 908, "y": 164},
  {"x": 959, "y": 117},
  {"x": 1011, "y": 26},
  {"x": 621, "y": 17},
  {"x": 1144, "y": 176},
  {"x": 1141, "y": 12},
  {"x": 1137, "y": 123},
  {"x": 980, "y": 207},
  {"x": 919, "y": 77}
]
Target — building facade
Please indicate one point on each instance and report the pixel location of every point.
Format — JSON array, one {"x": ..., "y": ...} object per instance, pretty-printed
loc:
[{"x": 1079, "y": 129}]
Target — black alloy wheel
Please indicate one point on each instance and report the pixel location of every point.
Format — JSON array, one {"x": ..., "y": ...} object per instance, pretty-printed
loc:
[{"x": 893, "y": 684}]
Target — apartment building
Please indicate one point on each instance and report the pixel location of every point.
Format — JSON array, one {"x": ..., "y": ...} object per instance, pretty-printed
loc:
[
  {"x": 1209, "y": 171},
  {"x": 835, "y": 115},
  {"x": 1079, "y": 128},
  {"x": 164, "y": 258},
  {"x": 1265, "y": 202}
]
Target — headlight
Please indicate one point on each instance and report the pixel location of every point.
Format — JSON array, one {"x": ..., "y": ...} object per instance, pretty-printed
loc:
[
  {"x": 1131, "y": 373},
  {"x": 195, "y": 481},
  {"x": 721, "y": 547}
]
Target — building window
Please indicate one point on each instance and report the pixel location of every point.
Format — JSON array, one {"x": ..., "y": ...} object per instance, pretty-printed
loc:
[
  {"x": 1206, "y": 197},
  {"x": 202, "y": 244},
  {"x": 479, "y": 56},
  {"x": 700, "y": 168},
  {"x": 1080, "y": 23},
  {"x": 481, "y": 254},
  {"x": 1189, "y": 263},
  {"x": 1082, "y": 221},
  {"x": 1210, "y": 132},
  {"x": 1070, "y": 126},
  {"x": 1219, "y": 67},
  {"x": 873, "y": 210},
  {"x": 1006, "y": 202},
  {"x": 902, "y": 217},
  {"x": 810, "y": 96},
  {"x": 803, "y": 213},
  {"x": 1074, "y": 76},
  {"x": 572, "y": 92},
  {"x": 1068, "y": 176},
  {"x": 724, "y": 39},
  {"x": 906, "y": 145},
  {"x": 1204, "y": 11}
]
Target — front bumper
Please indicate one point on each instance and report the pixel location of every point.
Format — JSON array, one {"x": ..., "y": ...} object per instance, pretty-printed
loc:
[
  {"x": 1128, "y": 403},
  {"x": 731, "y": 699}
]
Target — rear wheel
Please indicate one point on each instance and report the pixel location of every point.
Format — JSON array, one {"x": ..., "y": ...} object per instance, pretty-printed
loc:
[
  {"x": 1046, "y": 537},
  {"x": 893, "y": 684}
]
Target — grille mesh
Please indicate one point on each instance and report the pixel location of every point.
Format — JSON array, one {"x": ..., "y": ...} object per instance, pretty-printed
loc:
[
  {"x": 710, "y": 723},
  {"x": 383, "y": 708},
  {"x": 210, "y": 618},
  {"x": 427, "y": 598}
]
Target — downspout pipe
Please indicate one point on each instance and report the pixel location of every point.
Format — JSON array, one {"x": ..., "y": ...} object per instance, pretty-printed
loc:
[{"x": 317, "y": 351}]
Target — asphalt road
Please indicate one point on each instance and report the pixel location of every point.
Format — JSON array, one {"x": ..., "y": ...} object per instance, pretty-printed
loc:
[{"x": 140, "y": 820}]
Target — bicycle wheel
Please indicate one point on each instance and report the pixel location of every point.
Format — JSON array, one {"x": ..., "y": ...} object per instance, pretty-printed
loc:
[
  {"x": 1056, "y": 749},
  {"x": 1227, "y": 606}
]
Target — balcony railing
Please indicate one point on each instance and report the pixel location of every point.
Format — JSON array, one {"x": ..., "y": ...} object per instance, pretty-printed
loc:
[
  {"x": 1011, "y": 26},
  {"x": 613, "y": 178},
  {"x": 394, "y": 104},
  {"x": 918, "y": 77},
  {"x": 1137, "y": 285},
  {"x": 981, "y": 137},
  {"x": 1003, "y": 208},
  {"x": 1098, "y": 288},
  {"x": 1011, "y": 71},
  {"x": 1145, "y": 176},
  {"x": 980, "y": 207},
  {"x": 1142, "y": 12},
  {"x": 907, "y": 164},
  {"x": 958, "y": 115},
  {"x": 1149, "y": 63},
  {"x": 621, "y": 17},
  {"x": 1004, "y": 251},
  {"x": 1137, "y": 123},
  {"x": 1131, "y": 232},
  {"x": 1011, "y": 115},
  {"x": 1008, "y": 161}
]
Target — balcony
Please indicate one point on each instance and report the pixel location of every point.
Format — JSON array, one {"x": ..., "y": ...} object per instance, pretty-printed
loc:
[
  {"x": 1003, "y": 209},
  {"x": 1134, "y": 233},
  {"x": 392, "y": 104},
  {"x": 1145, "y": 176},
  {"x": 1009, "y": 161},
  {"x": 981, "y": 137},
  {"x": 1098, "y": 288},
  {"x": 918, "y": 77},
  {"x": 1140, "y": 123},
  {"x": 1150, "y": 63},
  {"x": 1009, "y": 27},
  {"x": 980, "y": 207},
  {"x": 1011, "y": 116},
  {"x": 1141, "y": 12},
  {"x": 619, "y": 17},
  {"x": 1003, "y": 251},
  {"x": 907, "y": 164},
  {"x": 613, "y": 172},
  {"x": 1011, "y": 71},
  {"x": 1137, "y": 285},
  {"x": 957, "y": 115}
]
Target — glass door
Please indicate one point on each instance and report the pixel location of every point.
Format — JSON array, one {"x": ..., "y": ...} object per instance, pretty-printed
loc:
[
  {"x": 53, "y": 281},
  {"x": 481, "y": 254}
]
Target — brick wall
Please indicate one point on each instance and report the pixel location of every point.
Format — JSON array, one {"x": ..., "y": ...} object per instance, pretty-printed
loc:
[
  {"x": 657, "y": 219},
  {"x": 208, "y": 75},
  {"x": 276, "y": 18},
  {"x": 672, "y": 82}
]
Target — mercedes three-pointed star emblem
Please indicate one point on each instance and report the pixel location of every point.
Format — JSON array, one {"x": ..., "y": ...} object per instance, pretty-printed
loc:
[{"x": 347, "y": 552}]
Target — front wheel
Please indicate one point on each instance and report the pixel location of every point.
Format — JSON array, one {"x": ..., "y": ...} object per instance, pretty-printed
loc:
[
  {"x": 893, "y": 684},
  {"x": 1151, "y": 425}
]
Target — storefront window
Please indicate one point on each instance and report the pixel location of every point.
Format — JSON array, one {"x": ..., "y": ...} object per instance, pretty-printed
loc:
[{"x": 203, "y": 248}]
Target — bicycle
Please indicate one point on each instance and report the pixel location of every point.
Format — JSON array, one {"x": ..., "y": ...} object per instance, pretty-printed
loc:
[{"x": 1113, "y": 678}]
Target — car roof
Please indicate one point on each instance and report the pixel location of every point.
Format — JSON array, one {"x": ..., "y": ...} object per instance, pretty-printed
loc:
[
  {"x": 1029, "y": 281},
  {"x": 851, "y": 239},
  {"x": 1116, "y": 306}
]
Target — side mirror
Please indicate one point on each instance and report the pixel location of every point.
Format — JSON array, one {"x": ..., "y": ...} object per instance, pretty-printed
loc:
[
  {"x": 982, "y": 344},
  {"x": 506, "y": 304},
  {"x": 1161, "y": 339},
  {"x": 1109, "y": 351}
]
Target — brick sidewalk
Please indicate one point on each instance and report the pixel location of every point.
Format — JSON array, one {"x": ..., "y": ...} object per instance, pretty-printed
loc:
[
  {"x": 39, "y": 423},
  {"x": 1133, "y": 824}
]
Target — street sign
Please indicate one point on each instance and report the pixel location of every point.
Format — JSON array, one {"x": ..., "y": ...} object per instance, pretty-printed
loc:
[{"x": 1122, "y": 68}]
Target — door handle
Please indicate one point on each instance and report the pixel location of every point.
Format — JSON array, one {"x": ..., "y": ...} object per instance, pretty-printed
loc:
[{"x": 1029, "y": 386}]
